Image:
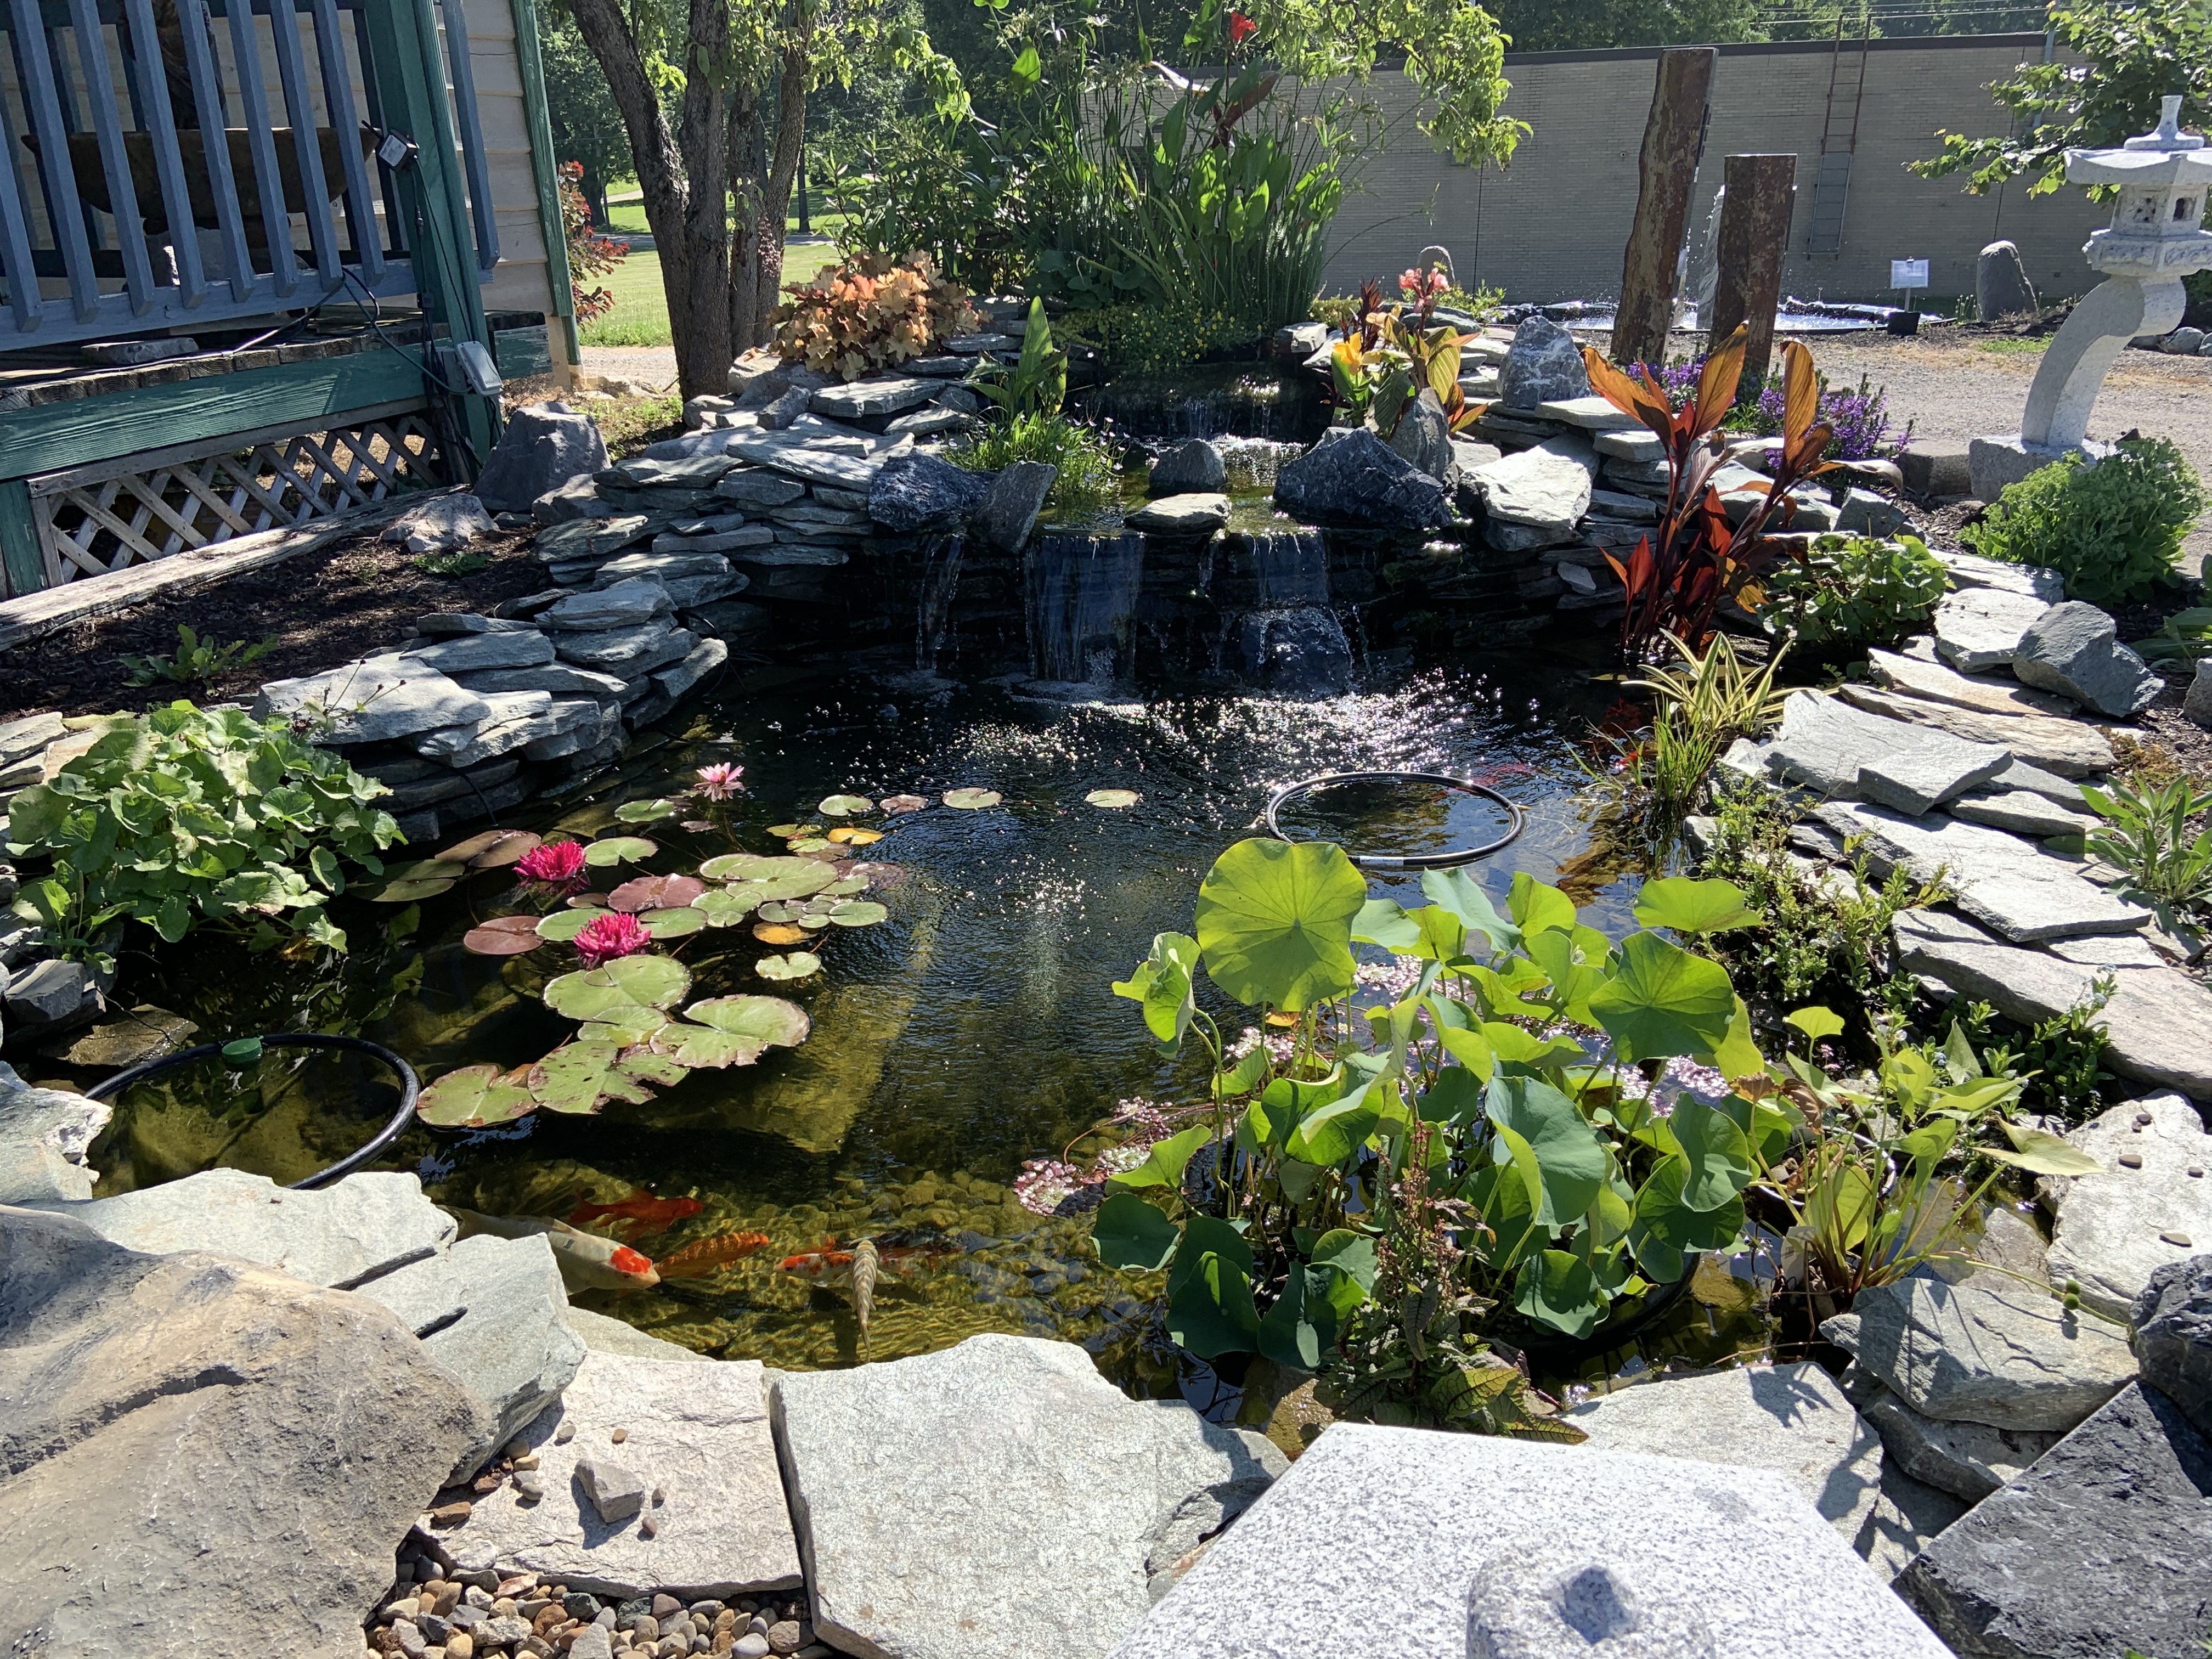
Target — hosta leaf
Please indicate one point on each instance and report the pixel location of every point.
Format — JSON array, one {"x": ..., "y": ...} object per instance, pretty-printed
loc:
[
  {"x": 619, "y": 850},
  {"x": 473, "y": 1097},
  {"x": 733, "y": 1030},
  {"x": 582, "y": 1077},
  {"x": 627, "y": 984},
  {"x": 564, "y": 925}
]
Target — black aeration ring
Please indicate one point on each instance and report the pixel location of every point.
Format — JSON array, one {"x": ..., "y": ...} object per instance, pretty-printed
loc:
[{"x": 1443, "y": 860}]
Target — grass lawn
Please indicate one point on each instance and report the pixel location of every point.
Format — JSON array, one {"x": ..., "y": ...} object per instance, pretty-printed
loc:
[{"x": 641, "y": 314}]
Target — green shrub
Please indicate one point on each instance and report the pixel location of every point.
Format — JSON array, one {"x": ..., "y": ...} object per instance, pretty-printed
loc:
[
  {"x": 2110, "y": 529},
  {"x": 1855, "y": 590},
  {"x": 1085, "y": 463},
  {"x": 185, "y": 815},
  {"x": 1145, "y": 339}
]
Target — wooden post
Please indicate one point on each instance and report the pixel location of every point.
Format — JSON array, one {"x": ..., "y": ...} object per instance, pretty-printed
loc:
[
  {"x": 1755, "y": 235},
  {"x": 1674, "y": 134},
  {"x": 22, "y": 561},
  {"x": 561, "y": 323}
]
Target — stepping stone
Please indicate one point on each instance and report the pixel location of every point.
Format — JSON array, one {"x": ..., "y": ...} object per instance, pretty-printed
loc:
[
  {"x": 2023, "y": 811},
  {"x": 1592, "y": 414},
  {"x": 2098, "y": 1549},
  {"x": 1639, "y": 445},
  {"x": 1791, "y": 1419},
  {"x": 522, "y": 646},
  {"x": 1971, "y": 570},
  {"x": 995, "y": 1500},
  {"x": 1195, "y": 514},
  {"x": 2075, "y": 649},
  {"x": 1842, "y": 751},
  {"x": 2158, "y": 1024},
  {"x": 370, "y": 701},
  {"x": 698, "y": 1434},
  {"x": 1982, "y": 627},
  {"x": 862, "y": 398},
  {"x": 1915, "y": 676},
  {"x": 2072, "y": 749},
  {"x": 1473, "y": 1542},
  {"x": 2115, "y": 1230},
  {"x": 1987, "y": 1349},
  {"x": 1968, "y": 1459}
]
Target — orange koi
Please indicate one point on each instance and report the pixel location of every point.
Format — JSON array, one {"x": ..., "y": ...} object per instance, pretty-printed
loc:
[
  {"x": 710, "y": 1255},
  {"x": 588, "y": 1261},
  {"x": 640, "y": 1211}
]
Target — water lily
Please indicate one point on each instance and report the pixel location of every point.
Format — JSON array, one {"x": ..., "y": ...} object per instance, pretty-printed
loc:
[
  {"x": 558, "y": 863},
  {"x": 618, "y": 934},
  {"x": 720, "y": 782}
]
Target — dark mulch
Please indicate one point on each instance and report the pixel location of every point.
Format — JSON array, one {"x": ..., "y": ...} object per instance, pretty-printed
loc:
[
  {"x": 2179, "y": 740},
  {"x": 319, "y": 608}
]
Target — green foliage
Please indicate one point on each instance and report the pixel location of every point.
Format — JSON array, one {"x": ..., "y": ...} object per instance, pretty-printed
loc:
[
  {"x": 914, "y": 183},
  {"x": 1700, "y": 708},
  {"x": 1139, "y": 338},
  {"x": 1855, "y": 590},
  {"x": 2117, "y": 58},
  {"x": 2146, "y": 834},
  {"x": 2185, "y": 636},
  {"x": 462, "y": 562},
  {"x": 1086, "y": 463},
  {"x": 1036, "y": 384},
  {"x": 2059, "y": 1061},
  {"x": 183, "y": 816},
  {"x": 197, "y": 660},
  {"x": 2112, "y": 528}
]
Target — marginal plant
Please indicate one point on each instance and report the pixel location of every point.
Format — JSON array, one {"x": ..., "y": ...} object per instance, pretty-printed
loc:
[
  {"x": 2185, "y": 637},
  {"x": 2145, "y": 835},
  {"x": 1855, "y": 590},
  {"x": 1378, "y": 378},
  {"x": 1700, "y": 708},
  {"x": 2111, "y": 527},
  {"x": 871, "y": 313}
]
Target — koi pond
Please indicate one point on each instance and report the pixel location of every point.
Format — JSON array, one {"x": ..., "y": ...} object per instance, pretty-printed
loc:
[{"x": 963, "y": 1038}]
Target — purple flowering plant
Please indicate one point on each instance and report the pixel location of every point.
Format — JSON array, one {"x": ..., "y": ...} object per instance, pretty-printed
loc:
[{"x": 1858, "y": 415}]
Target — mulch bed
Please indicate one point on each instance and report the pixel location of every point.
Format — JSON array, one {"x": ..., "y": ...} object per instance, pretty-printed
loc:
[{"x": 319, "y": 609}]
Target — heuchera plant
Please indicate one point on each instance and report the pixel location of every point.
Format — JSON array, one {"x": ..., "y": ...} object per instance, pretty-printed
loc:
[{"x": 871, "y": 314}]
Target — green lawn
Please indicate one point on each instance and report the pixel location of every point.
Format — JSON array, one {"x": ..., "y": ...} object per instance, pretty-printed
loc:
[{"x": 641, "y": 314}]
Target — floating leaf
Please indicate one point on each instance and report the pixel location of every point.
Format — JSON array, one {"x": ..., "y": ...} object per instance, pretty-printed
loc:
[
  {"x": 655, "y": 893},
  {"x": 799, "y": 964},
  {"x": 619, "y": 850},
  {"x": 625, "y": 984},
  {"x": 846, "y": 888},
  {"x": 724, "y": 907},
  {"x": 778, "y": 934},
  {"x": 674, "y": 922},
  {"x": 733, "y": 1030},
  {"x": 646, "y": 811},
  {"x": 425, "y": 879},
  {"x": 503, "y": 936},
  {"x": 564, "y": 926},
  {"x": 850, "y": 837},
  {"x": 1662, "y": 1001},
  {"x": 587, "y": 901},
  {"x": 1274, "y": 921},
  {"x": 776, "y": 829},
  {"x": 845, "y": 806},
  {"x": 813, "y": 921},
  {"x": 896, "y": 804},
  {"x": 643, "y": 1064},
  {"x": 473, "y": 1097},
  {"x": 494, "y": 849},
  {"x": 811, "y": 844},
  {"x": 624, "y": 1026},
  {"x": 972, "y": 800},
  {"x": 756, "y": 867},
  {"x": 857, "y": 913},
  {"x": 582, "y": 1077},
  {"x": 1116, "y": 798}
]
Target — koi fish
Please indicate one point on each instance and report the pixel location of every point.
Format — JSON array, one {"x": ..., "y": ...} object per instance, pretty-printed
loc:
[
  {"x": 833, "y": 1266},
  {"x": 642, "y": 1210},
  {"x": 711, "y": 1255},
  {"x": 865, "y": 1263},
  {"x": 588, "y": 1261}
]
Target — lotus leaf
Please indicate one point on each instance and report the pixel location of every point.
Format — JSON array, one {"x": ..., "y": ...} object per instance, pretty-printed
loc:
[
  {"x": 1570, "y": 1158},
  {"x": 972, "y": 800},
  {"x": 624, "y": 985},
  {"x": 1716, "y": 1154},
  {"x": 1274, "y": 921},
  {"x": 1132, "y": 1235},
  {"x": 857, "y": 913},
  {"x": 1666, "y": 1234},
  {"x": 1661, "y": 1000},
  {"x": 674, "y": 922},
  {"x": 1210, "y": 1308},
  {"x": 564, "y": 926},
  {"x": 473, "y": 1097},
  {"x": 619, "y": 850},
  {"x": 732, "y": 1030},
  {"x": 1161, "y": 984},
  {"x": 845, "y": 806},
  {"x": 655, "y": 893},
  {"x": 1558, "y": 1290},
  {"x": 1690, "y": 906},
  {"x": 799, "y": 964},
  {"x": 582, "y": 1077}
]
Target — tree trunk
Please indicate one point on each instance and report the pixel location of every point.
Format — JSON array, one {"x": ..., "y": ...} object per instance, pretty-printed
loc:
[
  {"x": 1673, "y": 135},
  {"x": 748, "y": 165},
  {"x": 1755, "y": 238},
  {"x": 770, "y": 179}
]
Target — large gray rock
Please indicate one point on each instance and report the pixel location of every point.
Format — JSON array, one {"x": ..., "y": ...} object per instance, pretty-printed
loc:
[
  {"x": 517, "y": 647},
  {"x": 2001, "y": 288},
  {"x": 2157, "y": 1023},
  {"x": 2145, "y": 1211},
  {"x": 444, "y": 524},
  {"x": 55, "y": 995},
  {"x": 594, "y": 541},
  {"x": 1544, "y": 365},
  {"x": 2074, "y": 649},
  {"x": 202, "y": 1456},
  {"x": 2023, "y": 811},
  {"x": 339, "y": 1236},
  {"x": 1358, "y": 479},
  {"x": 1384, "y": 1543},
  {"x": 1907, "y": 1513},
  {"x": 758, "y": 487},
  {"x": 579, "y": 498},
  {"x": 1917, "y": 676},
  {"x": 1546, "y": 489},
  {"x": 2172, "y": 1319},
  {"x": 531, "y": 716},
  {"x": 1010, "y": 512},
  {"x": 2071, "y": 749},
  {"x": 1592, "y": 414},
  {"x": 559, "y": 679},
  {"x": 2196, "y": 702},
  {"x": 612, "y": 1336},
  {"x": 545, "y": 446},
  {"x": 996, "y": 1500},
  {"x": 1971, "y": 570},
  {"x": 923, "y": 492},
  {"x": 493, "y": 1312},
  {"x": 817, "y": 465},
  {"x": 1558, "y": 1601},
  {"x": 1181, "y": 515},
  {"x": 1987, "y": 1349},
  {"x": 1969, "y": 1460},
  {"x": 21, "y": 739},
  {"x": 2097, "y": 1550},
  {"x": 1423, "y": 436},
  {"x": 1845, "y": 752},
  {"x": 699, "y": 1434},
  {"x": 1195, "y": 464},
  {"x": 883, "y": 395},
  {"x": 703, "y": 659},
  {"x": 371, "y": 701},
  {"x": 1791, "y": 1419},
  {"x": 45, "y": 1135},
  {"x": 624, "y": 652},
  {"x": 1982, "y": 627},
  {"x": 632, "y": 602}
]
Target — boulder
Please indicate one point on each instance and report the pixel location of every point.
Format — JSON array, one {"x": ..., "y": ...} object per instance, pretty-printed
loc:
[
  {"x": 1968, "y": 1459},
  {"x": 1986, "y": 1350},
  {"x": 579, "y": 498},
  {"x": 520, "y": 647},
  {"x": 1982, "y": 627},
  {"x": 2145, "y": 1211},
  {"x": 444, "y": 524},
  {"x": 544, "y": 447},
  {"x": 1843, "y": 752},
  {"x": 202, "y": 1457},
  {"x": 54, "y": 995},
  {"x": 1791, "y": 1419},
  {"x": 632, "y": 602},
  {"x": 1863, "y": 512},
  {"x": 1358, "y": 479},
  {"x": 1181, "y": 515},
  {"x": 2196, "y": 702},
  {"x": 372, "y": 701},
  {"x": 2001, "y": 288},
  {"x": 2074, "y": 649},
  {"x": 1010, "y": 512},
  {"x": 493, "y": 1312},
  {"x": 45, "y": 1135},
  {"x": 1546, "y": 489},
  {"x": 698, "y": 1434},
  {"x": 2098, "y": 1549},
  {"x": 1543, "y": 366},
  {"x": 1423, "y": 436},
  {"x": 923, "y": 492},
  {"x": 1194, "y": 465},
  {"x": 2172, "y": 1319},
  {"x": 995, "y": 1500},
  {"x": 1381, "y": 1543}
]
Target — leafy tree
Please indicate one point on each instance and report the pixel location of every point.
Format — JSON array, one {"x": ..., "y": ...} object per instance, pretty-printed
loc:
[
  {"x": 588, "y": 127},
  {"x": 2131, "y": 53}
]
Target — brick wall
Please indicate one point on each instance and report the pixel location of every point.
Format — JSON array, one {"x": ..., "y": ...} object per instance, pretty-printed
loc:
[{"x": 1552, "y": 227}]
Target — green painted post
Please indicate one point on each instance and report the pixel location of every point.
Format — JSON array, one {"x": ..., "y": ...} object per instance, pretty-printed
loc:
[
  {"x": 538, "y": 117},
  {"x": 20, "y": 553}
]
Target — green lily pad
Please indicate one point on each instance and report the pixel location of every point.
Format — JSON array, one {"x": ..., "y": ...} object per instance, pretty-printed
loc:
[
  {"x": 811, "y": 844},
  {"x": 857, "y": 913},
  {"x": 407, "y": 892},
  {"x": 564, "y": 925},
  {"x": 724, "y": 907},
  {"x": 672, "y": 923},
  {"x": 753, "y": 866},
  {"x": 473, "y": 1097},
  {"x": 619, "y": 850},
  {"x": 845, "y": 806},
  {"x": 581, "y": 1077},
  {"x": 733, "y": 1030},
  {"x": 1116, "y": 798},
  {"x": 798, "y": 964},
  {"x": 646, "y": 811},
  {"x": 846, "y": 888},
  {"x": 972, "y": 799},
  {"x": 649, "y": 1068},
  {"x": 814, "y": 920},
  {"x": 809, "y": 878},
  {"x": 626, "y": 983},
  {"x": 778, "y": 910},
  {"x": 626, "y": 1027}
]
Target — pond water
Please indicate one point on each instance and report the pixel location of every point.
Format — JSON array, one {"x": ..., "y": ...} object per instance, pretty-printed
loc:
[{"x": 969, "y": 1033}]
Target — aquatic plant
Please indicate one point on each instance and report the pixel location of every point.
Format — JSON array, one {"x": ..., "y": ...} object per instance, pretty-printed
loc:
[
  {"x": 1712, "y": 698},
  {"x": 556, "y": 865},
  {"x": 1855, "y": 590},
  {"x": 608, "y": 937}
]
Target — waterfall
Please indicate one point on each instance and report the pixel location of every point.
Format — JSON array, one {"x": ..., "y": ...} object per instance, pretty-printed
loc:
[
  {"x": 1082, "y": 604},
  {"x": 940, "y": 582},
  {"x": 1273, "y": 588},
  {"x": 1300, "y": 650}
]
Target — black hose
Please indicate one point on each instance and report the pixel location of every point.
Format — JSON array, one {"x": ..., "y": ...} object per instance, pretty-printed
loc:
[
  {"x": 1443, "y": 860},
  {"x": 409, "y": 1089}
]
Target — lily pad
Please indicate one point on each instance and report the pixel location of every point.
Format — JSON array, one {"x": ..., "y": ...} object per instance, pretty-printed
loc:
[
  {"x": 619, "y": 850},
  {"x": 799, "y": 964},
  {"x": 476, "y": 1096},
  {"x": 585, "y": 901},
  {"x": 655, "y": 893},
  {"x": 625, "y": 1027},
  {"x": 425, "y": 879},
  {"x": 972, "y": 800},
  {"x": 1116, "y": 798},
  {"x": 645, "y": 811},
  {"x": 751, "y": 866},
  {"x": 780, "y": 830},
  {"x": 778, "y": 933},
  {"x": 857, "y": 913},
  {"x": 779, "y": 910},
  {"x": 626, "y": 983},
  {"x": 733, "y": 1030},
  {"x": 856, "y": 837},
  {"x": 845, "y": 806},
  {"x": 724, "y": 907},
  {"x": 493, "y": 849},
  {"x": 647, "y": 1066},
  {"x": 503, "y": 936},
  {"x": 885, "y": 876},
  {"x": 564, "y": 925},
  {"x": 582, "y": 1077},
  {"x": 811, "y": 844},
  {"x": 896, "y": 804},
  {"x": 673, "y": 922},
  {"x": 814, "y": 922}
]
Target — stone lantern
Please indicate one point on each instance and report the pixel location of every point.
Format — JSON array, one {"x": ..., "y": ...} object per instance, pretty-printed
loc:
[{"x": 2156, "y": 238}]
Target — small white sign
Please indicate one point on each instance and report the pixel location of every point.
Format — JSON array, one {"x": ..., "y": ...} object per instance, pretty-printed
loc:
[{"x": 1908, "y": 273}]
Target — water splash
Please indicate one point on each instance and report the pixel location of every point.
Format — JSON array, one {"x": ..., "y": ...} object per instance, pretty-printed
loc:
[{"x": 940, "y": 583}]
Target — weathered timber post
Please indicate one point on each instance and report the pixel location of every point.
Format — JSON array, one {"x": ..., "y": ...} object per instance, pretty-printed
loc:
[
  {"x": 1754, "y": 236},
  {"x": 1674, "y": 134}
]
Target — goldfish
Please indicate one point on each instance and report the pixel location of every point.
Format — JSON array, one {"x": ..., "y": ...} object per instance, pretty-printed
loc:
[
  {"x": 710, "y": 1256},
  {"x": 588, "y": 1261},
  {"x": 642, "y": 1210},
  {"x": 865, "y": 1262}
]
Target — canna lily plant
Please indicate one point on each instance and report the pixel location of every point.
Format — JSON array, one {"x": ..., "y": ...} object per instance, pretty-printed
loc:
[
  {"x": 1677, "y": 577},
  {"x": 1377, "y": 371}
]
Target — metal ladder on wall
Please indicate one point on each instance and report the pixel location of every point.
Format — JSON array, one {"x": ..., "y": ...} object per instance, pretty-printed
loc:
[{"x": 1839, "y": 138}]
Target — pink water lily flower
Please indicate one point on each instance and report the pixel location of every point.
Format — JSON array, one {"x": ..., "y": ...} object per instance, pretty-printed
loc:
[
  {"x": 611, "y": 936},
  {"x": 720, "y": 782},
  {"x": 557, "y": 864}
]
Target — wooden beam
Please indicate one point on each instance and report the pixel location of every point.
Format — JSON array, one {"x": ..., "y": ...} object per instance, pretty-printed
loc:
[
  {"x": 1673, "y": 135},
  {"x": 20, "y": 561},
  {"x": 1755, "y": 235},
  {"x": 538, "y": 117}
]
